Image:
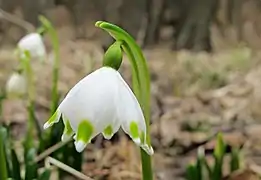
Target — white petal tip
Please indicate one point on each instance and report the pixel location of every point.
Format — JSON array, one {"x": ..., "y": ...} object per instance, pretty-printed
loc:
[
  {"x": 47, "y": 125},
  {"x": 108, "y": 137},
  {"x": 148, "y": 149},
  {"x": 80, "y": 145},
  {"x": 65, "y": 137},
  {"x": 137, "y": 141},
  {"x": 74, "y": 137}
]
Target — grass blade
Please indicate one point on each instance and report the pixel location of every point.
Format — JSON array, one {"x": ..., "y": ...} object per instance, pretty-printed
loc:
[
  {"x": 45, "y": 175},
  {"x": 235, "y": 160},
  {"x": 3, "y": 165},
  {"x": 16, "y": 166},
  {"x": 30, "y": 165}
]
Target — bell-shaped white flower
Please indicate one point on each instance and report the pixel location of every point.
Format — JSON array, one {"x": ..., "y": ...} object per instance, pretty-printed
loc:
[
  {"x": 16, "y": 85},
  {"x": 32, "y": 43},
  {"x": 102, "y": 102}
]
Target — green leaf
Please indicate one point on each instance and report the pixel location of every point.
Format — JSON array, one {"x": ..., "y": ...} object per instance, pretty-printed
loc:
[
  {"x": 16, "y": 166},
  {"x": 191, "y": 172},
  {"x": 200, "y": 163},
  {"x": 220, "y": 147},
  {"x": 45, "y": 175},
  {"x": 7, "y": 149},
  {"x": 30, "y": 166},
  {"x": 209, "y": 170},
  {"x": 235, "y": 160},
  {"x": 3, "y": 165},
  {"x": 219, "y": 153}
]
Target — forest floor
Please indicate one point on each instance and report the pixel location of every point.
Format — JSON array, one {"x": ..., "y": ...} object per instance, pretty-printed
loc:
[{"x": 194, "y": 96}]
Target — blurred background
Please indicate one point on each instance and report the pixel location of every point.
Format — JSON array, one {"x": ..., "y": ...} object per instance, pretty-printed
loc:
[{"x": 205, "y": 63}]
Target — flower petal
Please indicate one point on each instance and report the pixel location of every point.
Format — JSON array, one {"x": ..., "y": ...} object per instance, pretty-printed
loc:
[
  {"x": 110, "y": 130},
  {"x": 148, "y": 149},
  {"x": 131, "y": 116},
  {"x": 54, "y": 119},
  {"x": 67, "y": 132},
  {"x": 93, "y": 98},
  {"x": 34, "y": 44},
  {"x": 80, "y": 145},
  {"x": 16, "y": 85},
  {"x": 83, "y": 135},
  {"x": 128, "y": 110}
]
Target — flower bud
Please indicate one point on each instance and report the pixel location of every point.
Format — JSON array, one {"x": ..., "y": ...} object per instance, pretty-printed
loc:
[
  {"x": 113, "y": 56},
  {"x": 16, "y": 85}
]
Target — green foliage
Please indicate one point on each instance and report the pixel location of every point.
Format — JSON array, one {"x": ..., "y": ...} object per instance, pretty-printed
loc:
[
  {"x": 45, "y": 175},
  {"x": 36, "y": 141},
  {"x": 54, "y": 135},
  {"x": 16, "y": 166},
  {"x": 3, "y": 158},
  {"x": 202, "y": 170},
  {"x": 11, "y": 167},
  {"x": 235, "y": 160}
]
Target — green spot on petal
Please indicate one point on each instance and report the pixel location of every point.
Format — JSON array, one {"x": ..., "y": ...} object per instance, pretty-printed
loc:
[
  {"x": 108, "y": 131},
  {"x": 67, "y": 127},
  {"x": 54, "y": 119},
  {"x": 142, "y": 137},
  {"x": 134, "y": 130},
  {"x": 84, "y": 131}
]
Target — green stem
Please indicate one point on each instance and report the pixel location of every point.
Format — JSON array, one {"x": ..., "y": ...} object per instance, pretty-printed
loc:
[
  {"x": 55, "y": 43},
  {"x": 3, "y": 165},
  {"x": 31, "y": 97},
  {"x": 140, "y": 80}
]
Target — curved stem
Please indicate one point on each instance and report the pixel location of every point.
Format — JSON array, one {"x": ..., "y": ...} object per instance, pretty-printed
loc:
[
  {"x": 55, "y": 43},
  {"x": 140, "y": 79},
  {"x": 138, "y": 62}
]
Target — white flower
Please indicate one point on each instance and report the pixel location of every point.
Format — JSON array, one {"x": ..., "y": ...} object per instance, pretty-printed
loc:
[
  {"x": 102, "y": 102},
  {"x": 16, "y": 85},
  {"x": 34, "y": 44}
]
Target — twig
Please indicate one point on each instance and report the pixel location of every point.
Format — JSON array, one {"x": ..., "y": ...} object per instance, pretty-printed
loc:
[
  {"x": 67, "y": 168},
  {"x": 51, "y": 149},
  {"x": 16, "y": 20}
]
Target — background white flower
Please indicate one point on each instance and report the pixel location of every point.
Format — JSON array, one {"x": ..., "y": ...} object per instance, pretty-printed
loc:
[
  {"x": 34, "y": 44},
  {"x": 16, "y": 85}
]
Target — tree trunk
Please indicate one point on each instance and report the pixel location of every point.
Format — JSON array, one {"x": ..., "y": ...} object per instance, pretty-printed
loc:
[
  {"x": 132, "y": 14},
  {"x": 155, "y": 12},
  {"x": 193, "y": 32},
  {"x": 8, "y": 5},
  {"x": 236, "y": 17},
  {"x": 129, "y": 15}
]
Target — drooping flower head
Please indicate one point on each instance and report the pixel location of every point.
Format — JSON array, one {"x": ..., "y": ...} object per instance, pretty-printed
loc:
[
  {"x": 32, "y": 43},
  {"x": 102, "y": 102}
]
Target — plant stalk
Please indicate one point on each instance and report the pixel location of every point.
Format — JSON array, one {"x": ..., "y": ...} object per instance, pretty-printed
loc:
[
  {"x": 31, "y": 97},
  {"x": 140, "y": 81}
]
